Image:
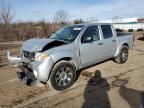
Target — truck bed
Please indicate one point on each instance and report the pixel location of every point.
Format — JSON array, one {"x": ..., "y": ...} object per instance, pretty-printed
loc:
[
  {"x": 127, "y": 38},
  {"x": 121, "y": 34}
]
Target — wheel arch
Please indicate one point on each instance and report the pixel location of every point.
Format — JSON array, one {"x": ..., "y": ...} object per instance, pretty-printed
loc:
[
  {"x": 120, "y": 47},
  {"x": 126, "y": 44},
  {"x": 68, "y": 58}
]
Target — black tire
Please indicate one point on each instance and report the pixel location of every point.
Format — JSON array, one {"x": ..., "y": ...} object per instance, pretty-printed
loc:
[
  {"x": 123, "y": 55},
  {"x": 62, "y": 76}
]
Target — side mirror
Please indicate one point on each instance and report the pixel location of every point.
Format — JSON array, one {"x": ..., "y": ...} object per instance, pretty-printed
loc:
[{"x": 87, "y": 39}]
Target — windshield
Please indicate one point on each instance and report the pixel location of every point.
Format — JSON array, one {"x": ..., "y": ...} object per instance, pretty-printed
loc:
[{"x": 68, "y": 33}]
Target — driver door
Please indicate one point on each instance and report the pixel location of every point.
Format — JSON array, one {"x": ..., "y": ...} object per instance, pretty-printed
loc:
[{"x": 90, "y": 46}]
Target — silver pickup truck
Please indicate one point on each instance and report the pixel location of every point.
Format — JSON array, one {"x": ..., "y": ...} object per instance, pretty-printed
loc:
[{"x": 57, "y": 59}]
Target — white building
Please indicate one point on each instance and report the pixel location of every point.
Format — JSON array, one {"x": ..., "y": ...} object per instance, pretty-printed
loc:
[
  {"x": 126, "y": 23},
  {"x": 133, "y": 26}
]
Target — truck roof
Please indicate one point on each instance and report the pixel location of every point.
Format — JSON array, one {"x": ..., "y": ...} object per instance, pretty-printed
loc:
[{"x": 90, "y": 24}]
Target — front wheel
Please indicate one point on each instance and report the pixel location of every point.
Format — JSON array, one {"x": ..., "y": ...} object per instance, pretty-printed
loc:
[
  {"x": 62, "y": 76},
  {"x": 123, "y": 55}
]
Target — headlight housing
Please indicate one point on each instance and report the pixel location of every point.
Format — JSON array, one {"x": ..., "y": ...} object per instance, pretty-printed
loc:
[{"x": 41, "y": 56}]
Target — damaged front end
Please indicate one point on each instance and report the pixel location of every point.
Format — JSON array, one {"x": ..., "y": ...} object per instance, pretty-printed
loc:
[
  {"x": 25, "y": 74},
  {"x": 35, "y": 63}
]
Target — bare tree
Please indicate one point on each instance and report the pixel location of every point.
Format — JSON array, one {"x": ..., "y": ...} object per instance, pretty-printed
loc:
[
  {"x": 6, "y": 14},
  {"x": 78, "y": 21},
  {"x": 61, "y": 17}
]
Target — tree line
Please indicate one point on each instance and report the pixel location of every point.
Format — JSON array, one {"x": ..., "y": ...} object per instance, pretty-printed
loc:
[{"x": 20, "y": 31}]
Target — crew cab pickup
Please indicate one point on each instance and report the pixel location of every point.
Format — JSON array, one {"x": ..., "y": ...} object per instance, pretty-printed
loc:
[{"x": 56, "y": 59}]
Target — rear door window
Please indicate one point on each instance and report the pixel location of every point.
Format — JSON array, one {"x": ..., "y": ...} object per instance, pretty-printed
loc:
[{"x": 107, "y": 31}]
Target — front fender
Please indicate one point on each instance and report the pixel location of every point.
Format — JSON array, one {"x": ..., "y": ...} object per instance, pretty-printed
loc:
[{"x": 58, "y": 55}]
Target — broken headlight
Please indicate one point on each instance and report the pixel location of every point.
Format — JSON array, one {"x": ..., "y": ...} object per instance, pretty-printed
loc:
[{"x": 41, "y": 56}]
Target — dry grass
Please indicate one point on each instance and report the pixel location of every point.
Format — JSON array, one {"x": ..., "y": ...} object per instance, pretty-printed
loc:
[{"x": 24, "y": 31}]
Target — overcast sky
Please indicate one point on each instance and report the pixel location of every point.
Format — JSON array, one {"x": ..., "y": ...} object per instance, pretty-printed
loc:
[{"x": 35, "y": 10}]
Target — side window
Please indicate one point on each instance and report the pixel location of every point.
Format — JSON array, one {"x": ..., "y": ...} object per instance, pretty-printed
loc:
[
  {"x": 107, "y": 31},
  {"x": 91, "y": 32}
]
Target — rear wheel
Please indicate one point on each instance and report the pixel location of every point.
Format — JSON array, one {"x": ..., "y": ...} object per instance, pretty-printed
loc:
[
  {"x": 123, "y": 55},
  {"x": 62, "y": 76}
]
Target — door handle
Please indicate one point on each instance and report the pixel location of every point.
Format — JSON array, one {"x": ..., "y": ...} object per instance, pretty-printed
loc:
[
  {"x": 100, "y": 43},
  {"x": 114, "y": 41}
]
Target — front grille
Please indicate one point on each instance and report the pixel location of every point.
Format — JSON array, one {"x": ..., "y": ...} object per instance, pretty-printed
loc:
[{"x": 29, "y": 55}]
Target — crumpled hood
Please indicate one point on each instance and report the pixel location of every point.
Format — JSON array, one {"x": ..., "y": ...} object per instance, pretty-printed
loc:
[{"x": 36, "y": 44}]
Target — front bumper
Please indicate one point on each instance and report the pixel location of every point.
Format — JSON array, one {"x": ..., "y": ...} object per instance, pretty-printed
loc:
[
  {"x": 42, "y": 70},
  {"x": 26, "y": 76},
  {"x": 33, "y": 70}
]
